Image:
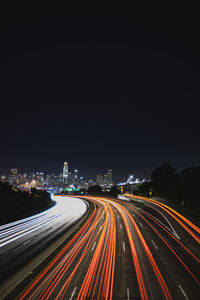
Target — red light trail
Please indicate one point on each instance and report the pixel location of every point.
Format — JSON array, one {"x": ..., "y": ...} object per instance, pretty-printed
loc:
[{"x": 86, "y": 267}]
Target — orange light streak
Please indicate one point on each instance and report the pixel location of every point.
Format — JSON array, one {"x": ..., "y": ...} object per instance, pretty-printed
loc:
[
  {"x": 78, "y": 235},
  {"x": 157, "y": 272},
  {"x": 165, "y": 231},
  {"x": 104, "y": 260},
  {"x": 193, "y": 276},
  {"x": 172, "y": 213}
]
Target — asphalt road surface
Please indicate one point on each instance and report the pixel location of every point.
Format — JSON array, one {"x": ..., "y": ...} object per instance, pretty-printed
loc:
[
  {"x": 21, "y": 240},
  {"x": 137, "y": 249}
]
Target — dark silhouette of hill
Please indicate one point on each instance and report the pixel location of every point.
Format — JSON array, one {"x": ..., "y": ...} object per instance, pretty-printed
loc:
[{"x": 16, "y": 204}]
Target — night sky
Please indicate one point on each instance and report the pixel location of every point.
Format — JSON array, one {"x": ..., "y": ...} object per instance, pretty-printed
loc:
[{"x": 112, "y": 89}]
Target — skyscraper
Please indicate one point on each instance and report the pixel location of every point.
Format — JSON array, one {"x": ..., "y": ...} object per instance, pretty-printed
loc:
[
  {"x": 12, "y": 178},
  {"x": 108, "y": 179},
  {"x": 100, "y": 180},
  {"x": 109, "y": 176},
  {"x": 76, "y": 179},
  {"x": 65, "y": 172}
]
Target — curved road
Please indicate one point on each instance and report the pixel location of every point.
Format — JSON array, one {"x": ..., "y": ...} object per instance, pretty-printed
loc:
[
  {"x": 125, "y": 250},
  {"x": 21, "y": 240}
]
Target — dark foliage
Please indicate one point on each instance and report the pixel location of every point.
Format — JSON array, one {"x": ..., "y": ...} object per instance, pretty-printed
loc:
[
  {"x": 114, "y": 191},
  {"x": 144, "y": 189},
  {"x": 16, "y": 204},
  {"x": 97, "y": 190},
  {"x": 166, "y": 183},
  {"x": 190, "y": 180},
  {"x": 94, "y": 190}
]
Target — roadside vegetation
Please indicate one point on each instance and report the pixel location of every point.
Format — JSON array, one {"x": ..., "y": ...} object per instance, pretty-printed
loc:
[
  {"x": 96, "y": 190},
  {"x": 178, "y": 188},
  {"x": 16, "y": 204}
]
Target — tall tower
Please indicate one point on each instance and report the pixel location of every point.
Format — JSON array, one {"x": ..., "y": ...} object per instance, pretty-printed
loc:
[
  {"x": 99, "y": 180},
  {"x": 65, "y": 171},
  {"x": 109, "y": 175}
]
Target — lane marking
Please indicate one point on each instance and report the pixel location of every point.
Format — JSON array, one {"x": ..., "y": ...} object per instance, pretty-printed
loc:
[
  {"x": 172, "y": 245},
  {"x": 124, "y": 248},
  {"x": 94, "y": 245},
  {"x": 184, "y": 294},
  {"x": 118, "y": 216},
  {"x": 121, "y": 226},
  {"x": 128, "y": 294},
  {"x": 133, "y": 215},
  {"x": 141, "y": 225},
  {"x": 72, "y": 295},
  {"x": 154, "y": 244}
]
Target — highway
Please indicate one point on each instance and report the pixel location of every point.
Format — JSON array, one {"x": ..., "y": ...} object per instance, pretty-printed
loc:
[
  {"x": 137, "y": 249},
  {"x": 21, "y": 240}
]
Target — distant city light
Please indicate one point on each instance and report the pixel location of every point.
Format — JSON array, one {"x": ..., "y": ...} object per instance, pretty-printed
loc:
[{"x": 67, "y": 181}]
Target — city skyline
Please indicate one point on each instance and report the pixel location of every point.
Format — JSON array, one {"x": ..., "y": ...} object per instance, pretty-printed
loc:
[
  {"x": 117, "y": 177},
  {"x": 120, "y": 172},
  {"x": 68, "y": 181},
  {"x": 66, "y": 177}
]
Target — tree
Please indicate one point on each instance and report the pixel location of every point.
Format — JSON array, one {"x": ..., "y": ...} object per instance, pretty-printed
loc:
[
  {"x": 94, "y": 190},
  {"x": 16, "y": 204},
  {"x": 165, "y": 171},
  {"x": 114, "y": 191},
  {"x": 144, "y": 188},
  {"x": 166, "y": 182},
  {"x": 190, "y": 179}
]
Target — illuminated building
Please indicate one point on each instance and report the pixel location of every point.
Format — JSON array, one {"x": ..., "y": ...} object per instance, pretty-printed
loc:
[
  {"x": 65, "y": 172},
  {"x": 130, "y": 179},
  {"x": 3, "y": 178},
  {"x": 109, "y": 176},
  {"x": 108, "y": 179},
  {"x": 76, "y": 179},
  {"x": 100, "y": 180},
  {"x": 12, "y": 178},
  {"x": 105, "y": 181},
  {"x": 39, "y": 176}
]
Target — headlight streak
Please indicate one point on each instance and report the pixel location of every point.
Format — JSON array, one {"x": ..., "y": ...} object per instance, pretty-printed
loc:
[
  {"x": 55, "y": 281},
  {"x": 20, "y": 233},
  {"x": 172, "y": 213},
  {"x": 43, "y": 287},
  {"x": 62, "y": 210},
  {"x": 29, "y": 219},
  {"x": 171, "y": 228},
  {"x": 197, "y": 229},
  {"x": 42, "y": 274},
  {"x": 16, "y": 227}
]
